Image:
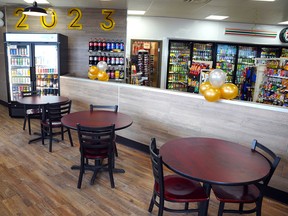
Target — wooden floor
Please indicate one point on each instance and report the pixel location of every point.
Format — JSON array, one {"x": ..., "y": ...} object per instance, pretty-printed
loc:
[{"x": 36, "y": 182}]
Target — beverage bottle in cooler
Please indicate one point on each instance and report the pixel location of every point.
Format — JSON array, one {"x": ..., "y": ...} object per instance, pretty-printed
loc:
[
  {"x": 117, "y": 73},
  {"x": 121, "y": 75},
  {"x": 104, "y": 58},
  {"x": 100, "y": 47},
  {"x": 104, "y": 45},
  {"x": 95, "y": 46},
  {"x": 108, "y": 45},
  {"x": 91, "y": 59},
  {"x": 108, "y": 59},
  {"x": 121, "y": 45},
  {"x": 112, "y": 73},
  {"x": 112, "y": 45},
  {"x": 112, "y": 59},
  {"x": 95, "y": 60},
  {"x": 91, "y": 45},
  {"x": 121, "y": 60},
  {"x": 117, "y": 45},
  {"x": 117, "y": 60}
]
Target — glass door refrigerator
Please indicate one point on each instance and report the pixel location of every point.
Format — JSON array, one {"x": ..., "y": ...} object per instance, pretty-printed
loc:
[
  {"x": 226, "y": 60},
  {"x": 202, "y": 58},
  {"x": 179, "y": 61},
  {"x": 246, "y": 72},
  {"x": 33, "y": 62}
]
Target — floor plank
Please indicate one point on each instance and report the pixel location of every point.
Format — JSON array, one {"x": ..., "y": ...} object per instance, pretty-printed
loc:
[{"x": 36, "y": 182}]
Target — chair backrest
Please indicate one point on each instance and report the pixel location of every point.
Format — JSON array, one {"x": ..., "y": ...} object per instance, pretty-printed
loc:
[
  {"x": 96, "y": 140},
  {"x": 157, "y": 165},
  {"x": 271, "y": 157},
  {"x": 104, "y": 107},
  {"x": 30, "y": 93},
  {"x": 54, "y": 112}
]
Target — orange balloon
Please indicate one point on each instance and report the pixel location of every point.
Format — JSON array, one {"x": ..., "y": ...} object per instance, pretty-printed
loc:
[
  {"x": 94, "y": 70},
  {"x": 204, "y": 86},
  {"x": 102, "y": 76},
  {"x": 229, "y": 91},
  {"x": 92, "y": 76},
  {"x": 212, "y": 94}
]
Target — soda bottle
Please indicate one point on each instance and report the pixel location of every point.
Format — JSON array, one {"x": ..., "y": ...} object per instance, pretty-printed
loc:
[
  {"x": 100, "y": 47},
  {"x": 121, "y": 45},
  {"x": 108, "y": 59},
  {"x": 112, "y": 45},
  {"x": 104, "y": 58},
  {"x": 121, "y": 75},
  {"x": 108, "y": 45},
  {"x": 91, "y": 45},
  {"x": 91, "y": 60},
  {"x": 95, "y": 47},
  {"x": 104, "y": 45},
  {"x": 117, "y": 46}
]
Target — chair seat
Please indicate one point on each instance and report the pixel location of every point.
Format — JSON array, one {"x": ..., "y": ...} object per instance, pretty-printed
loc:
[
  {"x": 236, "y": 194},
  {"x": 182, "y": 189},
  {"x": 33, "y": 111},
  {"x": 55, "y": 124},
  {"x": 101, "y": 154}
]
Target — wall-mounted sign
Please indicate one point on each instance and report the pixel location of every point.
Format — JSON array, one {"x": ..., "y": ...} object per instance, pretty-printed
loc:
[
  {"x": 283, "y": 36},
  {"x": 75, "y": 24},
  {"x": 251, "y": 32}
]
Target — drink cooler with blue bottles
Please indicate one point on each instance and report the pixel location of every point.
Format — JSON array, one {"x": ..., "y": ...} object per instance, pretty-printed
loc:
[{"x": 33, "y": 62}]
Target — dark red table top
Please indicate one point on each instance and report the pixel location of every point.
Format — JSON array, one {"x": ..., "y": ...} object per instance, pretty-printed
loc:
[
  {"x": 97, "y": 119},
  {"x": 214, "y": 161},
  {"x": 42, "y": 100}
]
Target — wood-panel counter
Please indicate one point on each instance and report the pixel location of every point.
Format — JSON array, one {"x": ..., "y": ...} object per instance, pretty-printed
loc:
[{"x": 166, "y": 115}]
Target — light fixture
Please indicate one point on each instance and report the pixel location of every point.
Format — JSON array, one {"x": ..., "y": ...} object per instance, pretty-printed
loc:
[
  {"x": 35, "y": 10},
  {"x": 216, "y": 17},
  {"x": 135, "y": 12},
  {"x": 283, "y": 23}
]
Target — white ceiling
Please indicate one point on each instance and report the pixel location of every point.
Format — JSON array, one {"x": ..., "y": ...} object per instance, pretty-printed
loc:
[{"x": 244, "y": 11}]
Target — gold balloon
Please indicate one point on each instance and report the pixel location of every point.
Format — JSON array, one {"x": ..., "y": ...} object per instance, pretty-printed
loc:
[
  {"x": 94, "y": 70},
  {"x": 92, "y": 76},
  {"x": 212, "y": 94},
  {"x": 102, "y": 76},
  {"x": 229, "y": 91},
  {"x": 204, "y": 86}
]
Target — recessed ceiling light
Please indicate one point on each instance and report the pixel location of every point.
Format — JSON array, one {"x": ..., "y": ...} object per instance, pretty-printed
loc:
[
  {"x": 216, "y": 17},
  {"x": 265, "y": 0},
  {"x": 38, "y": 1},
  {"x": 135, "y": 12},
  {"x": 283, "y": 23}
]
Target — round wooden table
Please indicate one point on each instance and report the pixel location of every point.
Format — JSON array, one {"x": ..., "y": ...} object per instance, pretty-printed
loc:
[
  {"x": 42, "y": 100},
  {"x": 214, "y": 161},
  {"x": 97, "y": 119}
]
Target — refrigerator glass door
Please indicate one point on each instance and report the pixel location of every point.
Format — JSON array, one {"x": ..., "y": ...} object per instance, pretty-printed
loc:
[
  {"x": 202, "y": 51},
  {"x": 18, "y": 69},
  {"x": 269, "y": 52},
  {"x": 246, "y": 72},
  {"x": 46, "y": 68},
  {"x": 179, "y": 63},
  {"x": 226, "y": 57}
]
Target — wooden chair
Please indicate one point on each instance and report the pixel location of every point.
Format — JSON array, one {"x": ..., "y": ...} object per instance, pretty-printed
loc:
[
  {"x": 52, "y": 121},
  {"x": 174, "y": 188},
  {"x": 96, "y": 144},
  {"x": 31, "y": 111},
  {"x": 252, "y": 193},
  {"x": 113, "y": 108}
]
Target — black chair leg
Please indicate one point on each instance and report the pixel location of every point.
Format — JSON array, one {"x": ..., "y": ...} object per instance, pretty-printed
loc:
[
  {"x": 70, "y": 137},
  {"x": 80, "y": 175},
  {"x": 161, "y": 207},
  {"x": 110, "y": 168},
  {"x": 24, "y": 124},
  {"x": 221, "y": 208},
  {"x": 29, "y": 125},
  {"x": 50, "y": 140},
  {"x": 152, "y": 203}
]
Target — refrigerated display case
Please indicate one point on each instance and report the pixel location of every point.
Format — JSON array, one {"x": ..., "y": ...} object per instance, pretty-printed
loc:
[
  {"x": 202, "y": 52},
  {"x": 33, "y": 62},
  {"x": 226, "y": 59},
  {"x": 246, "y": 72},
  {"x": 272, "y": 81},
  {"x": 179, "y": 64},
  {"x": 270, "y": 52}
]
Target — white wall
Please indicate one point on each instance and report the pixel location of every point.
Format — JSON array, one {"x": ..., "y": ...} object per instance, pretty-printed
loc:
[{"x": 157, "y": 28}]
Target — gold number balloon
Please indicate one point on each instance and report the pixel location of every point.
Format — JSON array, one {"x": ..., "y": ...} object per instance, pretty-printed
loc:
[
  {"x": 204, "y": 86},
  {"x": 212, "y": 94},
  {"x": 229, "y": 91}
]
